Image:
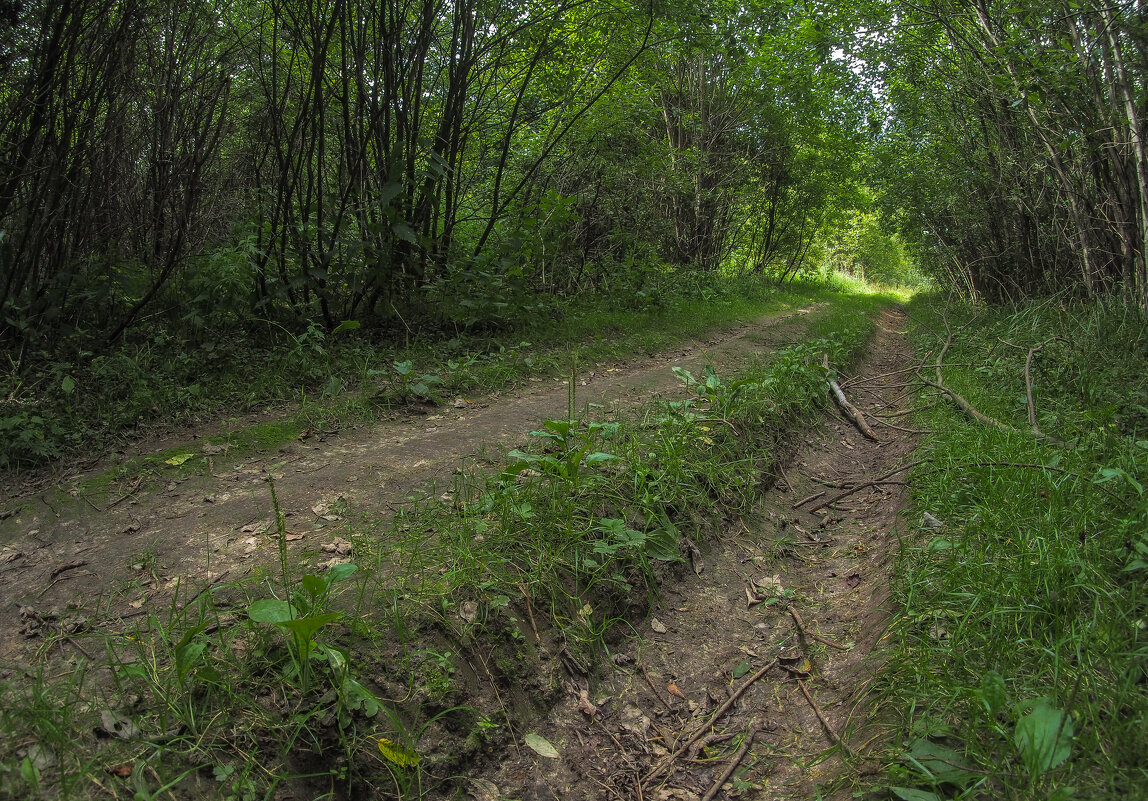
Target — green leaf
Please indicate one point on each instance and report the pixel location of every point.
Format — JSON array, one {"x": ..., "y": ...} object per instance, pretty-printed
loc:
[
  {"x": 599, "y": 457},
  {"x": 304, "y": 628},
  {"x": 187, "y": 655},
  {"x": 1043, "y": 736},
  {"x": 741, "y": 669},
  {"x": 938, "y": 763},
  {"x": 541, "y": 746},
  {"x": 910, "y": 794},
  {"x": 314, "y": 585},
  {"x": 339, "y": 572},
  {"x": 176, "y": 461},
  {"x": 405, "y": 233},
  {"x": 346, "y": 325},
  {"x": 356, "y": 696},
  {"x": 68, "y": 384},
  {"x": 993, "y": 692},
  {"x": 271, "y": 610}
]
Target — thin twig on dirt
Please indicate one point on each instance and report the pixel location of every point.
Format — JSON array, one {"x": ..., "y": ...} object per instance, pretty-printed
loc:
[
  {"x": 80, "y": 648},
  {"x": 824, "y": 722},
  {"x": 903, "y": 412},
  {"x": 668, "y": 761},
  {"x": 806, "y": 632},
  {"x": 654, "y": 687},
  {"x": 208, "y": 586},
  {"x": 858, "y": 488},
  {"x": 529, "y": 611},
  {"x": 708, "y": 740},
  {"x": 807, "y": 499},
  {"x": 746, "y": 744}
]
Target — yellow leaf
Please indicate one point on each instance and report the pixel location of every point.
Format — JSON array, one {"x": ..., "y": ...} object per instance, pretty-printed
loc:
[
  {"x": 180, "y": 459},
  {"x": 397, "y": 754}
]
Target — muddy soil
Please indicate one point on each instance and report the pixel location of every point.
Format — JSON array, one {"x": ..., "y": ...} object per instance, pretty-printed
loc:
[
  {"x": 791, "y": 605},
  {"x": 125, "y": 550}
]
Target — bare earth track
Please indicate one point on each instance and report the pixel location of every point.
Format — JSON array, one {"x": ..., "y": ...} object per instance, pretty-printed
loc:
[{"x": 57, "y": 558}]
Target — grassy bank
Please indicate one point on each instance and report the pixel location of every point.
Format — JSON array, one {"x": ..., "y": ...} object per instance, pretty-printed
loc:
[
  {"x": 434, "y": 650},
  {"x": 1017, "y": 658}
]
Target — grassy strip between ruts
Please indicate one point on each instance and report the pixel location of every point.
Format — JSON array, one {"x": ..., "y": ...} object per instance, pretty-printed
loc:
[
  {"x": 1017, "y": 658},
  {"x": 373, "y": 679}
]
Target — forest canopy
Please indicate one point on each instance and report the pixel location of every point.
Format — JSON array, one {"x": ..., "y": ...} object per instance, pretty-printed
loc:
[
  {"x": 203, "y": 164},
  {"x": 454, "y": 163}
]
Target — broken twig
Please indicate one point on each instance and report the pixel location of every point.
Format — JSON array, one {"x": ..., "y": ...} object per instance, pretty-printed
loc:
[
  {"x": 836, "y": 740},
  {"x": 746, "y": 744}
]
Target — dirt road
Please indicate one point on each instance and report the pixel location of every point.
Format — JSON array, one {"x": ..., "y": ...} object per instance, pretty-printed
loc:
[{"x": 128, "y": 550}]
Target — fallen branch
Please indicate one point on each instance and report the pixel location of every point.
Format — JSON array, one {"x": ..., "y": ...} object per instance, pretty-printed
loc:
[
  {"x": 746, "y": 744},
  {"x": 806, "y": 632},
  {"x": 858, "y": 488},
  {"x": 1028, "y": 384},
  {"x": 821, "y": 716},
  {"x": 668, "y": 761},
  {"x": 654, "y": 687},
  {"x": 851, "y": 411},
  {"x": 807, "y": 499}
]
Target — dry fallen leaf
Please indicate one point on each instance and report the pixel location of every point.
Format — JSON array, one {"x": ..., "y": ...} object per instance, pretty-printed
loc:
[
  {"x": 585, "y": 705},
  {"x": 658, "y": 626},
  {"x": 673, "y": 689},
  {"x": 468, "y": 611},
  {"x": 123, "y": 771}
]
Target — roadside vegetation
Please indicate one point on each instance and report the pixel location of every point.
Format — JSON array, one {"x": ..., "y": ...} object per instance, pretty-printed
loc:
[
  {"x": 1015, "y": 662},
  {"x": 369, "y": 673}
]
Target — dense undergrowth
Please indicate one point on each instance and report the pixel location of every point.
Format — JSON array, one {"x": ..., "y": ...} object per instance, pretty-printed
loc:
[
  {"x": 56, "y": 405},
  {"x": 373, "y": 679},
  {"x": 1018, "y": 660}
]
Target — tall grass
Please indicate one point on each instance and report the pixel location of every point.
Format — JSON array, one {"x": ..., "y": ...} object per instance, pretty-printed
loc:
[{"x": 1018, "y": 654}]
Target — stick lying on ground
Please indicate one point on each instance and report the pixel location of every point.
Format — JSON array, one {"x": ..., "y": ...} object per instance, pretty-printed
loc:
[{"x": 851, "y": 411}]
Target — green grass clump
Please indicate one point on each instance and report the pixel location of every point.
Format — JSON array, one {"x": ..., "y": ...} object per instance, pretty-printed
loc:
[{"x": 1017, "y": 659}]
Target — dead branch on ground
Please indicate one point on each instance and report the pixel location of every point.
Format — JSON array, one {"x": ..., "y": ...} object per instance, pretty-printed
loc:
[
  {"x": 747, "y": 743},
  {"x": 851, "y": 411},
  {"x": 668, "y": 761}
]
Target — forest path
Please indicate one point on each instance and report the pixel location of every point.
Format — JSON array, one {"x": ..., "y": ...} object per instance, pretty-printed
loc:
[
  {"x": 128, "y": 552},
  {"x": 830, "y": 566}
]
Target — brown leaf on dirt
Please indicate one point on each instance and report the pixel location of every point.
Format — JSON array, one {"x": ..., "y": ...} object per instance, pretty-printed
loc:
[
  {"x": 340, "y": 546},
  {"x": 658, "y": 626},
  {"x": 585, "y": 705},
  {"x": 852, "y": 580},
  {"x": 673, "y": 689},
  {"x": 468, "y": 611},
  {"x": 124, "y": 771},
  {"x": 751, "y": 599}
]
